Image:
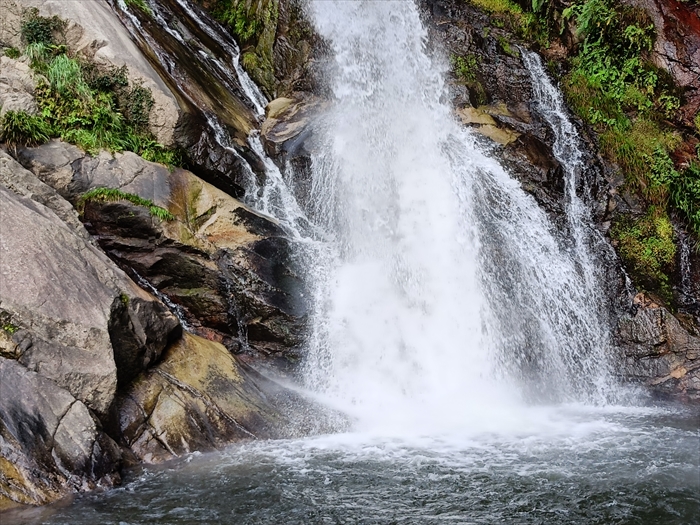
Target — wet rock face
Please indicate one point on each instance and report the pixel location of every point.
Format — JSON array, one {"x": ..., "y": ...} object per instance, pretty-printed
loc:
[
  {"x": 492, "y": 92},
  {"x": 228, "y": 267},
  {"x": 493, "y": 96},
  {"x": 198, "y": 67},
  {"x": 659, "y": 352},
  {"x": 200, "y": 397}
]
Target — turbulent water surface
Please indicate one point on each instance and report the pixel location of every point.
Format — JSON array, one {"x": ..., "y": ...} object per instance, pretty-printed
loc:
[
  {"x": 567, "y": 465},
  {"x": 464, "y": 336}
]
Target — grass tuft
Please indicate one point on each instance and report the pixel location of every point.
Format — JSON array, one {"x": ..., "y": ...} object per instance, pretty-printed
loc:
[
  {"x": 19, "y": 128},
  {"x": 117, "y": 195}
]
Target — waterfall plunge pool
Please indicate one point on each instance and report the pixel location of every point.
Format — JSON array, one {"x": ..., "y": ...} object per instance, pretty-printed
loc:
[{"x": 571, "y": 464}]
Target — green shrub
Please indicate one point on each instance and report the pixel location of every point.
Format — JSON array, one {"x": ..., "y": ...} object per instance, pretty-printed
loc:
[
  {"x": 95, "y": 108},
  {"x": 19, "y": 128},
  {"x": 116, "y": 195},
  {"x": 614, "y": 87},
  {"x": 37, "y": 29}
]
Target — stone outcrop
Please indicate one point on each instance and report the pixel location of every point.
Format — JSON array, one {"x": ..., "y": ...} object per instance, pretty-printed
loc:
[
  {"x": 659, "y": 352},
  {"x": 50, "y": 445},
  {"x": 227, "y": 266},
  {"x": 95, "y": 32},
  {"x": 73, "y": 328},
  {"x": 92, "y": 367},
  {"x": 16, "y": 87},
  {"x": 200, "y": 397}
]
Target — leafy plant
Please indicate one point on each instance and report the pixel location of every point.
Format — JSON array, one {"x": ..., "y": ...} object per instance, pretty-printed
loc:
[
  {"x": 116, "y": 195},
  {"x": 90, "y": 106},
  {"x": 19, "y": 128},
  {"x": 10, "y": 328},
  {"x": 465, "y": 67},
  {"x": 139, "y": 4}
]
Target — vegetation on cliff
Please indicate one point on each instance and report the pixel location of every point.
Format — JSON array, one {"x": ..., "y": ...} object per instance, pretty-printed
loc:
[
  {"x": 276, "y": 41},
  {"x": 254, "y": 25},
  {"x": 82, "y": 103},
  {"x": 632, "y": 104},
  {"x": 611, "y": 83}
]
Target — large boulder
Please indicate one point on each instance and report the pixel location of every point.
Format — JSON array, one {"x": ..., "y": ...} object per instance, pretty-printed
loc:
[
  {"x": 200, "y": 397},
  {"x": 73, "y": 329},
  {"x": 227, "y": 266},
  {"x": 50, "y": 445}
]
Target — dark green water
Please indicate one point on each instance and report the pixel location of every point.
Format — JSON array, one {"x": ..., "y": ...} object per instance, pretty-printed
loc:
[{"x": 583, "y": 465}]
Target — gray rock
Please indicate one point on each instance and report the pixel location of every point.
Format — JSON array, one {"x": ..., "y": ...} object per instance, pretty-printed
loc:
[
  {"x": 76, "y": 318},
  {"x": 49, "y": 443},
  {"x": 73, "y": 327},
  {"x": 16, "y": 87},
  {"x": 22, "y": 182},
  {"x": 51, "y": 288}
]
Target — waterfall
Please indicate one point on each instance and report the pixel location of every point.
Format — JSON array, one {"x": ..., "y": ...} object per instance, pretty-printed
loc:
[
  {"x": 435, "y": 277},
  {"x": 444, "y": 280}
]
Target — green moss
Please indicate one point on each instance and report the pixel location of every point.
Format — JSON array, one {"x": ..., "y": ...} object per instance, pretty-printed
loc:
[
  {"x": 526, "y": 24},
  {"x": 647, "y": 248},
  {"x": 124, "y": 299},
  {"x": 254, "y": 25},
  {"x": 506, "y": 47},
  {"x": 465, "y": 67},
  {"x": 498, "y": 6},
  {"x": 116, "y": 195}
]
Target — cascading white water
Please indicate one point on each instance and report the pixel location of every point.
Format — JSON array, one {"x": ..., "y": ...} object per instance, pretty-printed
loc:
[{"x": 445, "y": 285}]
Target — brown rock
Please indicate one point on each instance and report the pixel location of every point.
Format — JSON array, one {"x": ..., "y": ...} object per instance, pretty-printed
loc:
[
  {"x": 659, "y": 352},
  {"x": 200, "y": 397}
]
